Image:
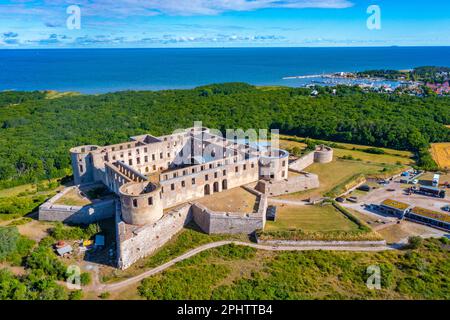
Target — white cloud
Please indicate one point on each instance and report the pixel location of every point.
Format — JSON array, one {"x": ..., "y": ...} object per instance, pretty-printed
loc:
[{"x": 123, "y": 8}]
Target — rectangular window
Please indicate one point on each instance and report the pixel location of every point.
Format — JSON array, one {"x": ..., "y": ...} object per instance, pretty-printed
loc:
[
  {"x": 206, "y": 177},
  {"x": 161, "y": 155},
  {"x": 253, "y": 165},
  {"x": 135, "y": 203},
  {"x": 183, "y": 184},
  {"x": 146, "y": 158},
  {"x": 172, "y": 187},
  {"x": 129, "y": 153},
  {"x": 150, "y": 201},
  {"x": 245, "y": 167},
  {"x": 236, "y": 169},
  {"x": 193, "y": 181},
  {"x": 154, "y": 167},
  {"x": 81, "y": 168},
  {"x": 224, "y": 172},
  {"x": 153, "y": 157},
  {"x": 145, "y": 150},
  {"x": 284, "y": 163},
  {"x": 138, "y": 160},
  {"x": 215, "y": 174},
  {"x": 130, "y": 162},
  {"x": 168, "y": 155}
]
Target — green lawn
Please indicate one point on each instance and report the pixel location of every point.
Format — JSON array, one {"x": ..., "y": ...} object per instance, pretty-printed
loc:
[
  {"x": 236, "y": 274},
  {"x": 333, "y": 174},
  {"x": 311, "y": 218}
]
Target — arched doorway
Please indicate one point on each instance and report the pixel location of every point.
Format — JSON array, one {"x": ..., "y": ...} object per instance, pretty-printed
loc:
[
  {"x": 216, "y": 186},
  {"x": 207, "y": 190},
  {"x": 224, "y": 184}
]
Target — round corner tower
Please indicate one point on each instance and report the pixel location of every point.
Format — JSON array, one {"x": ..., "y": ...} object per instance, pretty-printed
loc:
[
  {"x": 274, "y": 165},
  {"x": 323, "y": 154},
  {"x": 141, "y": 203}
]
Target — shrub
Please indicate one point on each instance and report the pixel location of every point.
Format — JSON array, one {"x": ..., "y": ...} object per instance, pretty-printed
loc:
[
  {"x": 8, "y": 240},
  {"x": 85, "y": 278},
  {"x": 104, "y": 295},
  {"x": 76, "y": 295},
  {"x": 374, "y": 151},
  {"x": 414, "y": 242},
  {"x": 62, "y": 232}
]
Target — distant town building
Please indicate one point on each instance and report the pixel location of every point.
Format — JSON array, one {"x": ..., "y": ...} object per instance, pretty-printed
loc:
[{"x": 439, "y": 88}]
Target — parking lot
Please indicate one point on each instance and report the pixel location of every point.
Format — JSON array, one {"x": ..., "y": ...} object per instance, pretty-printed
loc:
[{"x": 396, "y": 191}]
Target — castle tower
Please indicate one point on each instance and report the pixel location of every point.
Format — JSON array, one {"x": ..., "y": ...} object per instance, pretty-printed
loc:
[
  {"x": 83, "y": 164},
  {"x": 141, "y": 203},
  {"x": 273, "y": 165}
]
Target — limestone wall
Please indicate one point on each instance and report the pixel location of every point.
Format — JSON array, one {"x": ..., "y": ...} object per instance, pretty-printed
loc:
[
  {"x": 322, "y": 154},
  {"x": 293, "y": 184},
  {"x": 303, "y": 162},
  {"x": 213, "y": 222},
  {"x": 49, "y": 211},
  {"x": 135, "y": 243},
  {"x": 313, "y": 243}
]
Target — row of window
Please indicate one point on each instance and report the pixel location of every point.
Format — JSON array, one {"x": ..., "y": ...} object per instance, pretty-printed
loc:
[{"x": 205, "y": 167}]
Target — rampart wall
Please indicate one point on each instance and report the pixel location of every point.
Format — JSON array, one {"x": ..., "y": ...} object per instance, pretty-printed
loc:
[{"x": 50, "y": 211}]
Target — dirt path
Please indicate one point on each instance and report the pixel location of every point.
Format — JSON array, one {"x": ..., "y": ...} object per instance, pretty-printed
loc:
[
  {"x": 99, "y": 287},
  {"x": 288, "y": 202}
]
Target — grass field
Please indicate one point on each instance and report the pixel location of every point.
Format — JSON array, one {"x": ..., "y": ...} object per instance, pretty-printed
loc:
[
  {"x": 374, "y": 158},
  {"x": 31, "y": 189},
  {"x": 236, "y": 274},
  {"x": 72, "y": 198},
  {"x": 333, "y": 174},
  {"x": 350, "y": 146},
  {"x": 441, "y": 154},
  {"x": 311, "y": 218},
  {"x": 233, "y": 200}
]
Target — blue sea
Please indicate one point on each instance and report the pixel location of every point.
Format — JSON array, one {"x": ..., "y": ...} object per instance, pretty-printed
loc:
[{"x": 106, "y": 70}]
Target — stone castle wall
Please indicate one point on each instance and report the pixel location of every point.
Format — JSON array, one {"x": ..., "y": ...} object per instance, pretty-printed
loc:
[
  {"x": 50, "y": 211},
  {"x": 322, "y": 154},
  {"x": 213, "y": 222},
  {"x": 293, "y": 184},
  {"x": 142, "y": 241},
  {"x": 303, "y": 162}
]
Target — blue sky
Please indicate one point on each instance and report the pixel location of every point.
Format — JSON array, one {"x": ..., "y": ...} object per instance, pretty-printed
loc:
[{"x": 222, "y": 23}]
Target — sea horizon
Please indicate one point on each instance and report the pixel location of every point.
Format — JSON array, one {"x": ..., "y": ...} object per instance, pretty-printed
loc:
[{"x": 102, "y": 70}]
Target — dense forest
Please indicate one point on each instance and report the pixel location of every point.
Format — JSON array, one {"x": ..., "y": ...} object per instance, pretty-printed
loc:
[{"x": 36, "y": 133}]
